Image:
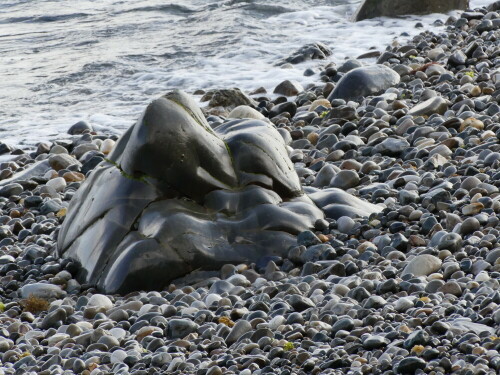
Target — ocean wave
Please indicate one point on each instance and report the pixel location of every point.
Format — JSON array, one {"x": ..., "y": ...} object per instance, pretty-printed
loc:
[
  {"x": 168, "y": 8},
  {"x": 269, "y": 9},
  {"x": 91, "y": 68},
  {"x": 43, "y": 19},
  {"x": 257, "y": 6}
]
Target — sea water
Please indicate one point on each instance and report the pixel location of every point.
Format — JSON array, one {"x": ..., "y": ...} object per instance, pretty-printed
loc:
[{"x": 102, "y": 61}]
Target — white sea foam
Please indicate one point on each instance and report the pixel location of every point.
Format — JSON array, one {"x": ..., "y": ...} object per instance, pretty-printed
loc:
[{"x": 103, "y": 62}]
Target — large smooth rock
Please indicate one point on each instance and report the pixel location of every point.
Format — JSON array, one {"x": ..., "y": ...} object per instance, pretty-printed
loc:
[
  {"x": 288, "y": 88},
  {"x": 11, "y": 189},
  {"x": 172, "y": 146},
  {"x": 177, "y": 196},
  {"x": 391, "y": 146},
  {"x": 391, "y": 8},
  {"x": 79, "y": 128},
  {"x": 364, "y": 81},
  {"x": 239, "y": 329}
]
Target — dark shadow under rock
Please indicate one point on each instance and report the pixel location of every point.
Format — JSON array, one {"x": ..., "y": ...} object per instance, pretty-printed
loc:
[{"x": 176, "y": 196}]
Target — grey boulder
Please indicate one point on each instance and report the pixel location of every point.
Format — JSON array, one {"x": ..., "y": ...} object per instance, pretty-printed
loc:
[
  {"x": 364, "y": 81},
  {"x": 176, "y": 196},
  {"x": 228, "y": 98},
  {"x": 391, "y": 8}
]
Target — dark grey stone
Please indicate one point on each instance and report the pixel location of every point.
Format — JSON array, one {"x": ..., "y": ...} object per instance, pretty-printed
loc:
[
  {"x": 375, "y": 342},
  {"x": 345, "y": 179},
  {"x": 450, "y": 241},
  {"x": 312, "y": 51},
  {"x": 418, "y": 337},
  {"x": 228, "y": 98},
  {"x": 391, "y": 147},
  {"x": 180, "y": 328},
  {"x": 390, "y": 8},
  {"x": 343, "y": 324},
  {"x": 79, "y": 128},
  {"x": 494, "y": 6},
  {"x": 300, "y": 303},
  {"x": 364, "y": 81},
  {"x": 410, "y": 365},
  {"x": 239, "y": 329},
  {"x": 11, "y": 189},
  {"x": 457, "y": 58}
]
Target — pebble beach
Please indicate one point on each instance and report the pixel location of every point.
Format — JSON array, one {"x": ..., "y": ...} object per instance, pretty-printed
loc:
[{"x": 413, "y": 289}]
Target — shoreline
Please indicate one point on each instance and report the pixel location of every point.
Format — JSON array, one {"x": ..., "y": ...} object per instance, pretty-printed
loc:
[
  {"x": 413, "y": 289},
  {"x": 110, "y": 91}
]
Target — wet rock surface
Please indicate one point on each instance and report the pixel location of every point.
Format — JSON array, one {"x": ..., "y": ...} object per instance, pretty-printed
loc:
[
  {"x": 387, "y": 8},
  {"x": 176, "y": 195},
  {"x": 313, "y": 51},
  {"x": 349, "y": 295}
]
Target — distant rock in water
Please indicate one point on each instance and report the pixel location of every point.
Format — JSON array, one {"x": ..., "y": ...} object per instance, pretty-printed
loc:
[
  {"x": 176, "y": 196},
  {"x": 494, "y": 6},
  {"x": 364, "y": 81},
  {"x": 79, "y": 128},
  {"x": 312, "y": 51},
  {"x": 394, "y": 8},
  {"x": 228, "y": 98}
]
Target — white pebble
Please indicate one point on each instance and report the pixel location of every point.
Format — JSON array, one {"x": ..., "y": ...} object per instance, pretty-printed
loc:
[
  {"x": 145, "y": 309},
  {"x": 482, "y": 276},
  {"x": 100, "y": 300},
  {"x": 118, "y": 356},
  {"x": 403, "y": 304},
  {"x": 259, "y": 282},
  {"x": 58, "y": 184},
  {"x": 107, "y": 146},
  {"x": 118, "y": 333},
  {"x": 275, "y": 322}
]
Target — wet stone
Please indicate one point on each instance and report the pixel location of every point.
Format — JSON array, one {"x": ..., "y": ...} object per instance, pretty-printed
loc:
[
  {"x": 410, "y": 365},
  {"x": 180, "y": 328},
  {"x": 450, "y": 241},
  {"x": 239, "y": 329},
  {"x": 79, "y": 128}
]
